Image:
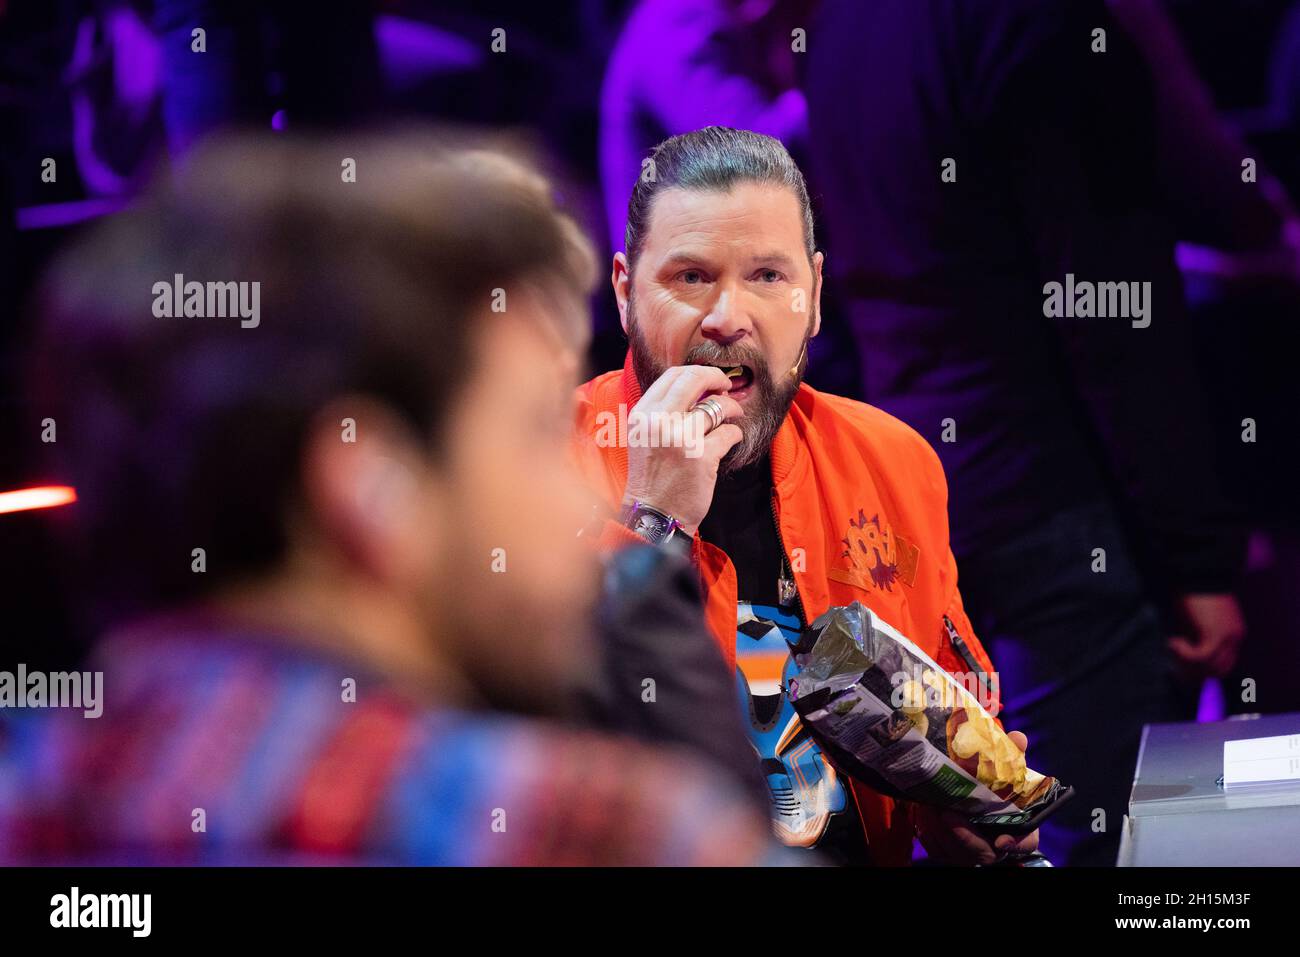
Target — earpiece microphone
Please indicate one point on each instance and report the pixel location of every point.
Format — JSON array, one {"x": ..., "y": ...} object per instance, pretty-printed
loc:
[{"x": 794, "y": 370}]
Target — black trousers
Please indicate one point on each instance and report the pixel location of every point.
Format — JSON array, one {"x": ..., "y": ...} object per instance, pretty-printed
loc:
[{"x": 1082, "y": 663}]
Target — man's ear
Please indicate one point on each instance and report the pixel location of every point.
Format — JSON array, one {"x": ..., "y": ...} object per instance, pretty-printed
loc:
[
  {"x": 362, "y": 469},
  {"x": 620, "y": 277},
  {"x": 818, "y": 260}
]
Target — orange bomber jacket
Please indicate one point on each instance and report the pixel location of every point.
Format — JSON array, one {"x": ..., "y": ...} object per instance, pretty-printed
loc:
[{"x": 861, "y": 505}]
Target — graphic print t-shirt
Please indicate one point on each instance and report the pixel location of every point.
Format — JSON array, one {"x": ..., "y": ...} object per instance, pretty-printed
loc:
[{"x": 811, "y": 803}]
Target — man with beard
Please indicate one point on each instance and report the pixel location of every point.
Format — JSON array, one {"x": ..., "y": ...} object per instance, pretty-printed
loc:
[{"x": 793, "y": 501}]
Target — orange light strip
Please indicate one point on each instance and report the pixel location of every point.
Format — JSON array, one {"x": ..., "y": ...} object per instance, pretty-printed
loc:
[{"x": 42, "y": 496}]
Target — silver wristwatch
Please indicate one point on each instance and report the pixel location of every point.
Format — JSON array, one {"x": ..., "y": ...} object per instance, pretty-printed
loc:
[{"x": 656, "y": 527}]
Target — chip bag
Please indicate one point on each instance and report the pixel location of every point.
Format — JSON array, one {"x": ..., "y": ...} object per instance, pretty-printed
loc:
[{"x": 889, "y": 716}]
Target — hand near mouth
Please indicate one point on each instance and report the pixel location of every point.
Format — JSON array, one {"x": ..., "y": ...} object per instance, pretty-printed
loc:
[{"x": 666, "y": 477}]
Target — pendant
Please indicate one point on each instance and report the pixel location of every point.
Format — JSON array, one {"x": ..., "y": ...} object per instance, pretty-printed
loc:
[{"x": 785, "y": 590}]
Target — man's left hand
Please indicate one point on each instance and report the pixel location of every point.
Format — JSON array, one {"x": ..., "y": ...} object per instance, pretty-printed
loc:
[{"x": 949, "y": 839}]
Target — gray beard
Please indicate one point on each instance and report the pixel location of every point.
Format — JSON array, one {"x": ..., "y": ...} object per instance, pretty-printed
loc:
[{"x": 763, "y": 418}]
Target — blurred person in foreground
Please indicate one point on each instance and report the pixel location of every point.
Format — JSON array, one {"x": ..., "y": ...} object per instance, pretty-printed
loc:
[
  {"x": 787, "y": 500},
  {"x": 328, "y": 578}
]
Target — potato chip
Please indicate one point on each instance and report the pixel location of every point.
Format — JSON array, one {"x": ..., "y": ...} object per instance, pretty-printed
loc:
[
  {"x": 913, "y": 697},
  {"x": 968, "y": 741}
]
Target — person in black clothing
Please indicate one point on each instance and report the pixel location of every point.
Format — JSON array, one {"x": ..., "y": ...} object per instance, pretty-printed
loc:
[
  {"x": 648, "y": 626},
  {"x": 981, "y": 152}
]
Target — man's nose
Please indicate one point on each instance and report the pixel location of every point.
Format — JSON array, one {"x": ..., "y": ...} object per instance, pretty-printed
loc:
[{"x": 728, "y": 320}]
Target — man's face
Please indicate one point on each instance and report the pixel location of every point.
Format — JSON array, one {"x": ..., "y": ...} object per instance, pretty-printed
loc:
[
  {"x": 723, "y": 279},
  {"x": 518, "y": 581}
]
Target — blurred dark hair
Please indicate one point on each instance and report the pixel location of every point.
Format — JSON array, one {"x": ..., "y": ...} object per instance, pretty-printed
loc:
[
  {"x": 182, "y": 433},
  {"x": 714, "y": 158}
]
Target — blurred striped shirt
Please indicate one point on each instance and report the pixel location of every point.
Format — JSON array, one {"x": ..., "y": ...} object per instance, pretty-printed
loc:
[{"x": 223, "y": 748}]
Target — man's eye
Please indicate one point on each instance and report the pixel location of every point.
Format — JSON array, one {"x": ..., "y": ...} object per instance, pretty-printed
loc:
[
  {"x": 692, "y": 277},
  {"x": 769, "y": 275}
]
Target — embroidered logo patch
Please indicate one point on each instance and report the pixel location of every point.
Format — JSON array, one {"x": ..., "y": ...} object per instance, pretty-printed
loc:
[{"x": 872, "y": 547}]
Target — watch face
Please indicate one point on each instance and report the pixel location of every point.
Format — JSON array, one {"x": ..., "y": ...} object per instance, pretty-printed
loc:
[{"x": 649, "y": 526}]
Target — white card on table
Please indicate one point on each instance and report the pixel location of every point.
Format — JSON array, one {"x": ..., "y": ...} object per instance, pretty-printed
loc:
[{"x": 1272, "y": 760}]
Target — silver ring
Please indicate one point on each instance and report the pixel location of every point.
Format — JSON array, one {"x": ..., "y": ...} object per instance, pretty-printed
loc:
[{"x": 713, "y": 409}]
